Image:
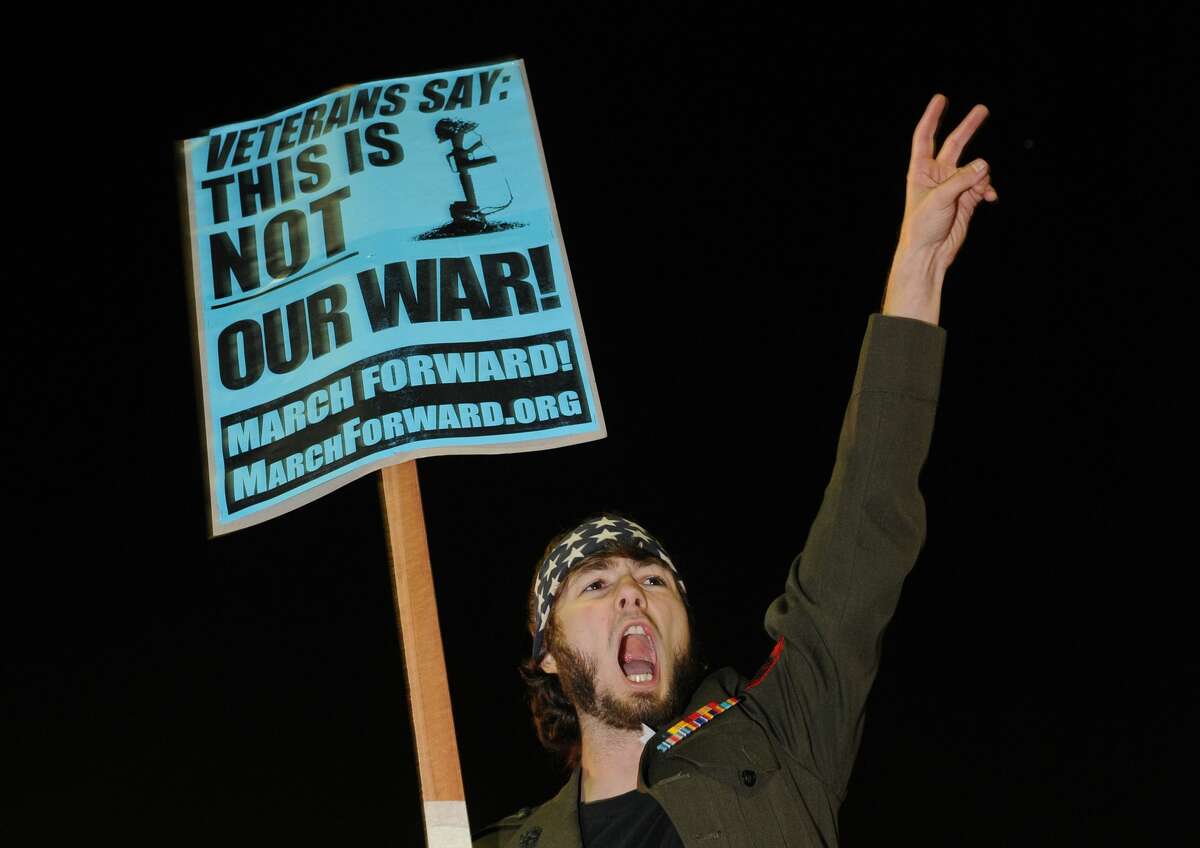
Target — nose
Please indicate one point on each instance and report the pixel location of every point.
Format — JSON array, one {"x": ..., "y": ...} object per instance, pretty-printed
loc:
[{"x": 630, "y": 594}]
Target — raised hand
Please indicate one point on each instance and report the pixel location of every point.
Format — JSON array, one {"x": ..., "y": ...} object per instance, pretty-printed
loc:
[{"x": 940, "y": 199}]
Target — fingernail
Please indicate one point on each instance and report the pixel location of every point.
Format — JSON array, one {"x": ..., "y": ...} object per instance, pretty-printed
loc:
[{"x": 979, "y": 165}]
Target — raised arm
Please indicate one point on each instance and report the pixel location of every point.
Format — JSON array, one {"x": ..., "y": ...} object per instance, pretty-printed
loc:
[{"x": 842, "y": 590}]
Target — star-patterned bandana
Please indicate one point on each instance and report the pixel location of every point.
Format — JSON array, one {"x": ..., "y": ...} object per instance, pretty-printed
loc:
[{"x": 587, "y": 539}]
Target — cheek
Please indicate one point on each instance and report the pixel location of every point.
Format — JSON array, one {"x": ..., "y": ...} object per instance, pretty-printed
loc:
[
  {"x": 684, "y": 634},
  {"x": 582, "y": 636},
  {"x": 675, "y": 632}
]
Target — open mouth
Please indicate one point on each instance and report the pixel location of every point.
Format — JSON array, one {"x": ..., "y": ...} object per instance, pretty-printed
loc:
[{"x": 636, "y": 655}]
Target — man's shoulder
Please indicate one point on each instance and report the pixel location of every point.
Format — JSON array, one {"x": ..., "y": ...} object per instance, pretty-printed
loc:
[
  {"x": 497, "y": 833},
  {"x": 717, "y": 685},
  {"x": 525, "y": 827}
]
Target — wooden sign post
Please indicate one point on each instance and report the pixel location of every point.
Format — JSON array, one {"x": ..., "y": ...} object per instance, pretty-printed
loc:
[{"x": 443, "y": 801}]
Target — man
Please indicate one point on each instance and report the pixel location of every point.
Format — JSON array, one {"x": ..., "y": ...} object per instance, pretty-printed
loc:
[{"x": 658, "y": 760}]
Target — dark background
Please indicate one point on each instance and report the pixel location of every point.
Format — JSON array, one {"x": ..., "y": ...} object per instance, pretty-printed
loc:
[{"x": 730, "y": 190}]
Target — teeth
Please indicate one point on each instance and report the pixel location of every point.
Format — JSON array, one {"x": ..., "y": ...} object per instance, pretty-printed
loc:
[
  {"x": 640, "y": 678},
  {"x": 637, "y": 628}
]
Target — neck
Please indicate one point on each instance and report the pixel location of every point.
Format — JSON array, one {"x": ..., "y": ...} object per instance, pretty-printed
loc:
[{"x": 609, "y": 759}]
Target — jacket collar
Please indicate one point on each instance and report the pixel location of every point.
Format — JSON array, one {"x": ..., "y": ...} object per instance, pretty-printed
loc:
[
  {"x": 648, "y": 749},
  {"x": 556, "y": 822}
]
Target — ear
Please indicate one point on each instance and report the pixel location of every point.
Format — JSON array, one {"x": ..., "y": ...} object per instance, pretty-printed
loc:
[{"x": 548, "y": 664}]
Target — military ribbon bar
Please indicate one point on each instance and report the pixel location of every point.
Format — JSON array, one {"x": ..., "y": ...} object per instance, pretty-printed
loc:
[{"x": 700, "y": 717}]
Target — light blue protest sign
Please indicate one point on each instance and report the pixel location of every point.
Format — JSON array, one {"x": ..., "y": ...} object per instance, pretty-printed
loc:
[{"x": 378, "y": 274}]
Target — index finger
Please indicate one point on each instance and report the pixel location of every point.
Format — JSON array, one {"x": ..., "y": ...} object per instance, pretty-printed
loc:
[{"x": 922, "y": 143}]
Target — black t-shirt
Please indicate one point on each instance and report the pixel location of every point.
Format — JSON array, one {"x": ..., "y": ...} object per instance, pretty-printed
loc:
[{"x": 631, "y": 820}]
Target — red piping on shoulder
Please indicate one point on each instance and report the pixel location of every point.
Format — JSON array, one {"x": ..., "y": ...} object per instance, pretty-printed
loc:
[{"x": 776, "y": 652}]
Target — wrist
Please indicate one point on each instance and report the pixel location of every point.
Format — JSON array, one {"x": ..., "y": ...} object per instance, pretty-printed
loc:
[{"x": 914, "y": 287}]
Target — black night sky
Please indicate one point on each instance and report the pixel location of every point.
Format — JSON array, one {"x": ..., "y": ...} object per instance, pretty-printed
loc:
[{"x": 730, "y": 188}]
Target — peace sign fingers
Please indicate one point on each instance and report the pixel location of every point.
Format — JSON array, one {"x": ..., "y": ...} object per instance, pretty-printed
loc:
[
  {"x": 957, "y": 140},
  {"x": 924, "y": 137}
]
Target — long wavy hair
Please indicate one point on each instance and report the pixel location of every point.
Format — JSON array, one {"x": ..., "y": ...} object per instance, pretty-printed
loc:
[{"x": 554, "y": 716}]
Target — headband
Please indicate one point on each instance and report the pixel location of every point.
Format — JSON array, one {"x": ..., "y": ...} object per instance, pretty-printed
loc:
[{"x": 592, "y": 537}]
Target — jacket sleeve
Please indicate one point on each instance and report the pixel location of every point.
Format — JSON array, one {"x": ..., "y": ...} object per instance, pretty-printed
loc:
[{"x": 842, "y": 590}]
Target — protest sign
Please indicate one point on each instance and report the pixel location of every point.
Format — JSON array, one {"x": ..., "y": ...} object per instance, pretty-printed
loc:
[{"x": 378, "y": 274}]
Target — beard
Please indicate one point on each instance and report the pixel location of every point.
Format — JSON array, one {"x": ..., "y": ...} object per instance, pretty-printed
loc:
[{"x": 577, "y": 676}]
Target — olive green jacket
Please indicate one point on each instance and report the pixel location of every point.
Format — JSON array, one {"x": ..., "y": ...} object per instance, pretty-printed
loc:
[{"x": 773, "y": 769}]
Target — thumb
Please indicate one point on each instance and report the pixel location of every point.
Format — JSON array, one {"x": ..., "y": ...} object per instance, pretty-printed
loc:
[{"x": 962, "y": 179}]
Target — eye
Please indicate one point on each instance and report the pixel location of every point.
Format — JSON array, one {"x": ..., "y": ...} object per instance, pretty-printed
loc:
[{"x": 658, "y": 581}]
